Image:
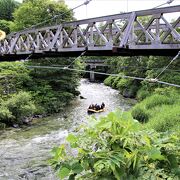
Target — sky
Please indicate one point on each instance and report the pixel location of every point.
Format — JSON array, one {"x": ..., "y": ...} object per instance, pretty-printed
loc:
[{"x": 98, "y": 8}]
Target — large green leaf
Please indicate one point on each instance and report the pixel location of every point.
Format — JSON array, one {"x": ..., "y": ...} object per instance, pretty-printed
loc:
[
  {"x": 77, "y": 168},
  {"x": 64, "y": 172},
  {"x": 155, "y": 154},
  {"x": 72, "y": 139}
]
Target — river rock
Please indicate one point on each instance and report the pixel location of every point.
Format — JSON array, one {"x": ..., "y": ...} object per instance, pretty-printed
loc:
[
  {"x": 15, "y": 125},
  {"x": 38, "y": 116},
  {"x": 27, "y": 120},
  {"x": 81, "y": 97}
]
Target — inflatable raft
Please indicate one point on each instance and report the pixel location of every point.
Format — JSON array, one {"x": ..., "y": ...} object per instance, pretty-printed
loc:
[{"x": 95, "y": 111}]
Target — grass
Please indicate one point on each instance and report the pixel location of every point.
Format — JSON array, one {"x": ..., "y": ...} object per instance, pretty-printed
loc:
[
  {"x": 160, "y": 112},
  {"x": 164, "y": 118}
]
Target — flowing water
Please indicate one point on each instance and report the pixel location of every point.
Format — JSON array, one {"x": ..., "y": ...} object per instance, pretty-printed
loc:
[{"x": 24, "y": 152}]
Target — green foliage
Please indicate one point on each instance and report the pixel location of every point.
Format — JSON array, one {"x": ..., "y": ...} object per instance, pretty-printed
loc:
[
  {"x": 53, "y": 89},
  {"x": 5, "y": 26},
  {"x": 127, "y": 66},
  {"x": 34, "y": 12},
  {"x": 109, "y": 80},
  {"x": 7, "y": 7},
  {"x": 144, "y": 67},
  {"x": 117, "y": 147},
  {"x": 5, "y": 115},
  {"x": 159, "y": 110},
  {"x": 16, "y": 108},
  {"x": 124, "y": 83},
  {"x": 157, "y": 100},
  {"x": 156, "y": 65},
  {"x": 140, "y": 113},
  {"x": 142, "y": 94},
  {"x": 166, "y": 117},
  {"x": 14, "y": 77},
  {"x": 168, "y": 91},
  {"x": 115, "y": 82}
]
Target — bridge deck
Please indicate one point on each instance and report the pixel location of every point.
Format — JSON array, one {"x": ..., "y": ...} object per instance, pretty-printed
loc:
[{"x": 115, "y": 35}]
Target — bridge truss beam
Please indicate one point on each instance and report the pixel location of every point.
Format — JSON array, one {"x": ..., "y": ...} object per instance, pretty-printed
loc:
[{"x": 147, "y": 32}]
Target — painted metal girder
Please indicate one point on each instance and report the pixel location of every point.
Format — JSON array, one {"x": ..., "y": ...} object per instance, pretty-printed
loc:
[{"x": 135, "y": 33}]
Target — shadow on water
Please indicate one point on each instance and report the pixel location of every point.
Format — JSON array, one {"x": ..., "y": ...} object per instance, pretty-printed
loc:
[{"x": 24, "y": 152}]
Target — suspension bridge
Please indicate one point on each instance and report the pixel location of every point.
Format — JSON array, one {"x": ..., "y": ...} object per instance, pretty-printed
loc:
[{"x": 146, "y": 32}]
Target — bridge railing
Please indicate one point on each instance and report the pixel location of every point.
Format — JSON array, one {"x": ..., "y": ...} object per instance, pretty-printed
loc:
[{"x": 147, "y": 29}]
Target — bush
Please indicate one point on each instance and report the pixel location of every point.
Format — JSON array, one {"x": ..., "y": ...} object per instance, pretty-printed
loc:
[
  {"x": 139, "y": 113},
  {"x": 142, "y": 94},
  {"x": 115, "y": 82},
  {"x": 157, "y": 100},
  {"x": 16, "y": 108},
  {"x": 5, "y": 26},
  {"x": 2, "y": 126},
  {"x": 117, "y": 147},
  {"x": 14, "y": 78},
  {"x": 124, "y": 83},
  {"x": 166, "y": 118},
  {"x": 6, "y": 115},
  {"x": 148, "y": 107},
  {"x": 109, "y": 80}
]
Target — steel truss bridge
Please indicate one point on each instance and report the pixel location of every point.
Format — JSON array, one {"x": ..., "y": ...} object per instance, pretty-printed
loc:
[{"x": 146, "y": 32}]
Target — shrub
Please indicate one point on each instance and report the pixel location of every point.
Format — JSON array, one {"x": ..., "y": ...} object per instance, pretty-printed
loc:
[
  {"x": 166, "y": 118},
  {"x": 16, "y": 108},
  {"x": 157, "y": 100},
  {"x": 130, "y": 91},
  {"x": 140, "y": 114},
  {"x": 5, "y": 115},
  {"x": 124, "y": 83},
  {"x": 2, "y": 126},
  {"x": 160, "y": 111},
  {"x": 116, "y": 147},
  {"x": 109, "y": 80},
  {"x": 5, "y": 25},
  {"x": 142, "y": 94},
  {"x": 115, "y": 82}
]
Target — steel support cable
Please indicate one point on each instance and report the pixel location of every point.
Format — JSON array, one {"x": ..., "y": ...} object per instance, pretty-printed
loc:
[
  {"x": 168, "y": 65},
  {"x": 169, "y": 84},
  {"x": 140, "y": 67},
  {"x": 125, "y": 67},
  {"x": 108, "y": 74},
  {"x": 75, "y": 59},
  {"x": 28, "y": 57}
]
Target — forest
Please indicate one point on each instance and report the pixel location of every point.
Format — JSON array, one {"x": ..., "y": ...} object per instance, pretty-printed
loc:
[{"x": 142, "y": 143}]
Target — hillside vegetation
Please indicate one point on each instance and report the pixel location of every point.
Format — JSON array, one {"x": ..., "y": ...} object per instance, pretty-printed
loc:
[
  {"x": 25, "y": 92},
  {"x": 141, "y": 144}
]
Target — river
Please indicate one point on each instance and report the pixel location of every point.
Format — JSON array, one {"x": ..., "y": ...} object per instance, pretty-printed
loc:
[{"x": 24, "y": 152}]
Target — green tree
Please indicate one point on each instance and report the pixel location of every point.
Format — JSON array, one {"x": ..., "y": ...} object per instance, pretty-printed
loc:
[
  {"x": 37, "y": 11},
  {"x": 53, "y": 88},
  {"x": 7, "y": 7},
  {"x": 5, "y": 25},
  {"x": 16, "y": 108},
  {"x": 14, "y": 77}
]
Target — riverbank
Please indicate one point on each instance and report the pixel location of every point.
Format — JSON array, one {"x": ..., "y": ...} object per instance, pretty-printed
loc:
[{"x": 24, "y": 152}]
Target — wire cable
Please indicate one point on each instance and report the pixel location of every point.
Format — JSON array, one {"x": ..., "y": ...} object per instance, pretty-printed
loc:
[
  {"x": 168, "y": 64},
  {"x": 108, "y": 74},
  {"x": 135, "y": 67},
  {"x": 75, "y": 59}
]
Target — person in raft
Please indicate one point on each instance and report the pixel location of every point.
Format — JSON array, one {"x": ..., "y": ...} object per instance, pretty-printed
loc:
[{"x": 97, "y": 107}]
